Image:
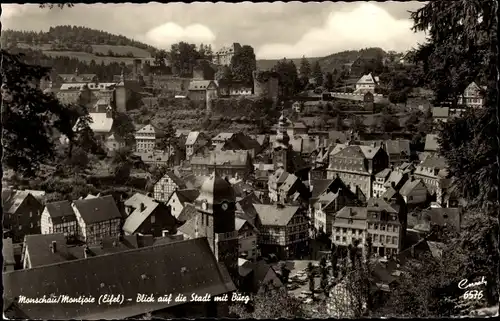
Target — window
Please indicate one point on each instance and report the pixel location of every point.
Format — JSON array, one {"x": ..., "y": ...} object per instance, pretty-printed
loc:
[
  {"x": 337, "y": 238},
  {"x": 343, "y": 239},
  {"x": 31, "y": 214},
  {"x": 388, "y": 239},
  {"x": 152, "y": 219},
  {"x": 375, "y": 238},
  {"x": 376, "y": 226},
  {"x": 394, "y": 240},
  {"x": 344, "y": 230},
  {"x": 20, "y": 227},
  {"x": 382, "y": 227}
]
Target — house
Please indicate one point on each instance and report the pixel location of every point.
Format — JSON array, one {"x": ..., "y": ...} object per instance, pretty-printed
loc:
[
  {"x": 97, "y": 218},
  {"x": 200, "y": 89},
  {"x": 132, "y": 272},
  {"x": 227, "y": 163},
  {"x": 449, "y": 217},
  {"x": 21, "y": 213},
  {"x": 414, "y": 192},
  {"x": 377, "y": 220},
  {"x": 59, "y": 217},
  {"x": 179, "y": 198},
  {"x": 434, "y": 173},
  {"x": 45, "y": 249},
  {"x": 221, "y": 138},
  {"x": 431, "y": 144},
  {"x": 261, "y": 174},
  {"x": 167, "y": 185},
  {"x": 112, "y": 144},
  {"x": 194, "y": 141},
  {"x": 283, "y": 186},
  {"x": 440, "y": 114},
  {"x": 146, "y": 216},
  {"x": 398, "y": 151},
  {"x": 237, "y": 141},
  {"x": 379, "y": 182},
  {"x": 472, "y": 96},
  {"x": 357, "y": 165},
  {"x": 284, "y": 230},
  {"x": 145, "y": 139},
  {"x": 247, "y": 239},
  {"x": 367, "y": 83},
  {"x": 9, "y": 261},
  {"x": 257, "y": 277},
  {"x": 157, "y": 158}
]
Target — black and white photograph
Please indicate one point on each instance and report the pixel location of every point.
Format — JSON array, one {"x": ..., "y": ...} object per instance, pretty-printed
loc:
[{"x": 250, "y": 160}]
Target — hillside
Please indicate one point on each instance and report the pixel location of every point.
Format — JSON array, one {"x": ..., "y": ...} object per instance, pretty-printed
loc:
[
  {"x": 82, "y": 43},
  {"x": 333, "y": 61}
]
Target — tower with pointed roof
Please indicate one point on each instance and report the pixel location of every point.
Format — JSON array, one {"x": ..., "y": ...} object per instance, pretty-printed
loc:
[
  {"x": 281, "y": 148},
  {"x": 216, "y": 206}
]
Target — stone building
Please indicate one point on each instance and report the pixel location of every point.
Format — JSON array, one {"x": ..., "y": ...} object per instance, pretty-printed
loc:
[{"x": 224, "y": 55}]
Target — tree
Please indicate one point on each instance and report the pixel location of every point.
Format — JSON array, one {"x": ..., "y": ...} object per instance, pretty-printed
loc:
[
  {"x": 357, "y": 124},
  {"x": 26, "y": 109},
  {"x": 461, "y": 34},
  {"x": 243, "y": 64},
  {"x": 288, "y": 77},
  {"x": 122, "y": 164},
  {"x": 329, "y": 81},
  {"x": 79, "y": 160},
  {"x": 124, "y": 129},
  {"x": 310, "y": 276},
  {"x": 317, "y": 73},
  {"x": 305, "y": 68},
  {"x": 183, "y": 57},
  {"x": 389, "y": 123},
  {"x": 285, "y": 273},
  {"x": 270, "y": 303}
]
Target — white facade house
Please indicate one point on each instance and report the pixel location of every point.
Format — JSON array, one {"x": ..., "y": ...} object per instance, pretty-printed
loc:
[
  {"x": 472, "y": 96},
  {"x": 247, "y": 239},
  {"x": 145, "y": 139},
  {"x": 112, "y": 144},
  {"x": 59, "y": 217},
  {"x": 367, "y": 83}
]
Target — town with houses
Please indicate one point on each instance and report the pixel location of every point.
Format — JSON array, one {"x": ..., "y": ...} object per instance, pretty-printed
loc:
[{"x": 232, "y": 211}]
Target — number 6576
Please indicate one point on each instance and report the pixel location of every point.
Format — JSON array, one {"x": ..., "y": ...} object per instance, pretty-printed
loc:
[{"x": 473, "y": 295}]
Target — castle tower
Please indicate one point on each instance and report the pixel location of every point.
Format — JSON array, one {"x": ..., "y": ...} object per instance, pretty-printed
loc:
[
  {"x": 282, "y": 144},
  {"x": 217, "y": 206},
  {"x": 121, "y": 95}
]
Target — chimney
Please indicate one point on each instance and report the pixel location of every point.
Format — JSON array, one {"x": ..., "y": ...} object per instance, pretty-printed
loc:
[
  {"x": 280, "y": 205},
  {"x": 393, "y": 185},
  {"x": 115, "y": 243},
  {"x": 142, "y": 207},
  {"x": 412, "y": 178},
  {"x": 53, "y": 246}
]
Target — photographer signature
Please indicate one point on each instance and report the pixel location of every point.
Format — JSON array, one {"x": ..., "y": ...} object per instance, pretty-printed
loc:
[{"x": 463, "y": 284}]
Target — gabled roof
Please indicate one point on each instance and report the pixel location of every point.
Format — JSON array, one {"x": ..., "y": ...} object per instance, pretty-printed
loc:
[
  {"x": 440, "y": 112},
  {"x": 431, "y": 143},
  {"x": 288, "y": 183},
  {"x": 395, "y": 177},
  {"x": 192, "y": 137},
  {"x": 383, "y": 173},
  {"x": 319, "y": 187},
  {"x": 60, "y": 212},
  {"x": 176, "y": 179},
  {"x": 409, "y": 186},
  {"x": 179, "y": 267},
  {"x": 137, "y": 217},
  {"x": 434, "y": 162},
  {"x": 187, "y": 195},
  {"x": 223, "y": 136},
  {"x": 398, "y": 147},
  {"x": 97, "y": 209},
  {"x": 101, "y": 123},
  {"x": 148, "y": 129},
  {"x": 11, "y": 200},
  {"x": 196, "y": 85},
  {"x": 39, "y": 249},
  {"x": 367, "y": 79},
  {"x": 188, "y": 212},
  {"x": 275, "y": 215},
  {"x": 378, "y": 204}
]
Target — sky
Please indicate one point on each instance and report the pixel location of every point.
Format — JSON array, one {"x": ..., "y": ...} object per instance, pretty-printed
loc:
[{"x": 275, "y": 30}]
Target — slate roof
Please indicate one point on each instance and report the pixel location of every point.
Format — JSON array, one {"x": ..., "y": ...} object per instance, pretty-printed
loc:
[
  {"x": 137, "y": 217},
  {"x": 397, "y": 147},
  {"x": 176, "y": 179},
  {"x": 357, "y": 214},
  {"x": 434, "y": 162},
  {"x": 378, "y": 205},
  {"x": 440, "y": 112},
  {"x": 246, "y": 209},
  {"x": 197, "y": 85},
  {"x": 77, "y": 78},
  {"x": 409, "y": 186},
  {"x": 395, "y": 177},
  {"x": 225, "y": 157},
  {"x": 8, "y": 252},
  {"x": 39, "y": 248},
  {"x": 148, "y": 129},
  {"x": 188, "y": 212},
  {"x": 383, "y": 173},
  {"x": 367, "y": 79},
  {"x": 288, "y": 183},
  {"x": 100, "y": 123},
  {"x": 431, "y": 143},
  {"x": 187, "y": 195},
  {"x": 274, "y": 215},
  {"x": 179, "y": 267},
  {"x": 11, "y": 200},
  {"x": 60, "y": 212},
  {"x": 97, "y": 209},
  {"x": 319, "y": 187},
  {"x": 335, "y": 135},
  {"x": 192, "y": 137}
]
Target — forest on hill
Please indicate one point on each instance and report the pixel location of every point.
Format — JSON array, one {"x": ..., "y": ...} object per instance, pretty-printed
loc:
[
  {"x": 68, "y": 36},
  {"x": 330, "y": 62}
]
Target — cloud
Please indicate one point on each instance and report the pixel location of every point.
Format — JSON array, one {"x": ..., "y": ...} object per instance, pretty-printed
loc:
[
  {"x": 15, "y": 10},
  {"x": 165, "y": 35},
  {"x": 366, "y": 26}
]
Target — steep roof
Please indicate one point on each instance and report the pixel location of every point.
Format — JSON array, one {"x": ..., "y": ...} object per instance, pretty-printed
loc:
[
  {"x": 188, "y": 212},
  {"x": 179, "y": 267},
  {"x": 187, "y": 195},
  {"x": 275, "y": 215},
  {"x": 148, "y": 129},
  {"x": 97, "y": 209},
  {"x": 378, "y": 205},
  {"x": 383, "y": 173},
  {"x": 440, "y": 112},
  {"x": 192, "y": 137},
  {"x": 11, "y": 200},
  {"x": 398, "y": 147},
  {"x": 357, "y": 214},
  {"x": 223, "y": 136},
  {"x": 60, "y": 212},
  {"x": 288, "y": 183},
  {"x": 101, "y": 123},
  {"x": 431, "y": 142},
  {"x": 367, "y": 79},
  {"x": 137, "y": 217},
  {"x": 319, "y": 186},
  {"x": 39, "y": 249},
  {"x": 409, "y": 186},
  {"x": 176, "y": 179}
]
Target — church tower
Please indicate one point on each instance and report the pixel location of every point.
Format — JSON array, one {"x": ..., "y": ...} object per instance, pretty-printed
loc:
[
  {"x": 281, "y": 148},
  {"x": 216, "y": 205}
]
